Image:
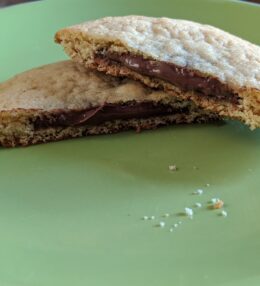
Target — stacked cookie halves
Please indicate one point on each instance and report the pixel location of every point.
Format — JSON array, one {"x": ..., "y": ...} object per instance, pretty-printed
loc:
[{"x": 133, "y": 72}]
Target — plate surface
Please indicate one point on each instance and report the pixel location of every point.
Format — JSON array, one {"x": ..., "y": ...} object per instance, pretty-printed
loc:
[{"x": 70, "y": 212}]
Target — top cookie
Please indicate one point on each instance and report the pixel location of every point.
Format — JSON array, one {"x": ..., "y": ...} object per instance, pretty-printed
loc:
[{"x": 204, "y": 48}]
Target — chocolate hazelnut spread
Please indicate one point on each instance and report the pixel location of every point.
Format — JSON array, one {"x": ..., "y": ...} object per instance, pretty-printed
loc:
[
  {"x": 106, "y": 112},
  {"x": 182, "y": 77}
]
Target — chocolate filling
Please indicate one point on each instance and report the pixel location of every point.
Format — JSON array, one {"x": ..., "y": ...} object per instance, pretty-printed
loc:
[
  {"x": 181, "y": 77},
  {"x": 107, "y": 112}
]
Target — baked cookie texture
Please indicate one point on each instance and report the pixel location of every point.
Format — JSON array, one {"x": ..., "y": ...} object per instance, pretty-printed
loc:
[
  {"x": 201, "y": 50},
  {"x": 31, "y": 102}
]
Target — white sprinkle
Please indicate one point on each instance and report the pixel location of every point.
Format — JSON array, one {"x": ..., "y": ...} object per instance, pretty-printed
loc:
[
  {"x": 214, "y": 200},
  {"x": 166, "y": 215},
  {"x": 152, "y": 217},
  {"x": 175, "y": 225},
  {"x": 224, "y": 213},
  {"x": 198, "y": 205},
  {"x": 145, "y": 217},
  {"x": 161, "y": 224},
  {"x": 179, "y": 222},
  {"x": 207, "y": 185},
  {"x": 198, "y": 192},
  {"x": 171, "y": 229},
  {"x": 188, "y": 212},
  {"x": 173, "y": 168}
]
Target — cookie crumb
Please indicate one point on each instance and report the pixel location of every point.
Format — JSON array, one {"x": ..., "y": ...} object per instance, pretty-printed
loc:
[
  {"x": 188, "y": 212},
  {"x": 198, "y": 205},
  {"x": 161, "y": 224},
  {"x": 152, "y": 217},
  {"x": 198, "y": 192},
  {"x": 218, "y": 204},
  {"x": 214, "y": 200},
  {"x": 145, "y": 217},
  {"x": 207, "y": 185},
  {"x": 171, "y": 229},
  {"x": 223, "y": 213},
  {"x": 166, "y": 215},
  {"x": 175, "y": 225},
  {"x": 173, "y": 168}
]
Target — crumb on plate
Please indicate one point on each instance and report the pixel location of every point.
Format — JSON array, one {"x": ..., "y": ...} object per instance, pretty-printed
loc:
[
  {"x": 223, "y": 213},
  {"x": 198, "y": 205},
  {"x": 218, "y": 204},
  {"x": 188, "y": 212},
  {"x": 173, "y": 168},
  {"x": 198, "y": 192},
  {"x": 161, "y": 224}
]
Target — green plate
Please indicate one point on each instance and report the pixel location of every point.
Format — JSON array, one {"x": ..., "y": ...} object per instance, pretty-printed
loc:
[{"x": 71, "y": 212}]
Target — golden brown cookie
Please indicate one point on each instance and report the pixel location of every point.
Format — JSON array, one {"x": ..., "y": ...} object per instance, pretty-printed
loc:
[
  {"x": 216, "y": 70},
  {"x": 65, "y": 100}
]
